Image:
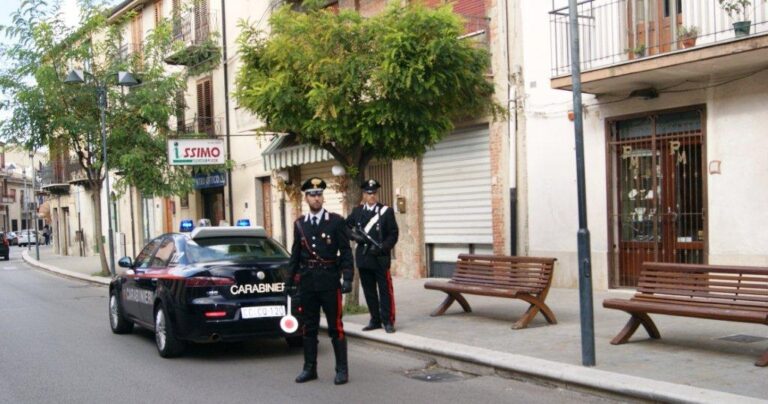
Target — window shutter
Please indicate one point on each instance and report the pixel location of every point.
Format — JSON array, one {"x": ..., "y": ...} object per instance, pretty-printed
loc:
[
  {"x": 158, "y": 8},
  {"x": 205, "y": 106}
]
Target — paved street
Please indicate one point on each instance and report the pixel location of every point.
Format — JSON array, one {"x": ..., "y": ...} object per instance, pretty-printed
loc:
[{"x": 56, "y": 346}]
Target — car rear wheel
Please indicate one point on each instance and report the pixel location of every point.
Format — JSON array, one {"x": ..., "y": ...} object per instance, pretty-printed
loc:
[
  {"x": 295, "y": 342},
  {"x": 168, "y": 346},
  {"x": 117, "y": 320}
]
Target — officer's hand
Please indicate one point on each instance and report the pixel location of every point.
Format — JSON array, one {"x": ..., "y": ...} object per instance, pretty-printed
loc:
[
  {"x": 375, "y": 251},
  {"x": 346, "y": 286}
]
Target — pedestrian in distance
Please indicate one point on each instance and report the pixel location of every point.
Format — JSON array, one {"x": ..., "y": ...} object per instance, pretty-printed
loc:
[
  {"x": 320, "y": 256},
  {"x": 374, "y": 228},
  {"x": 47, "y": 234}
]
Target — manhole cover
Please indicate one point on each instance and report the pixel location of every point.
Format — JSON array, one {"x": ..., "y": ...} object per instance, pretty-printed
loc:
[
  {"x": 436, "y": 375},
  {"x": 744, "y": 339}
]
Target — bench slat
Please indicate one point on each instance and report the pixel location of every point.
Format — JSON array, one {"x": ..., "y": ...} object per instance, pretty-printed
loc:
[
  {"x": 702, "y": 302},
  {"x": 711, "y": 294},
  {"x": 729, "y": 289},
  {"x": 686, "y": 311}
]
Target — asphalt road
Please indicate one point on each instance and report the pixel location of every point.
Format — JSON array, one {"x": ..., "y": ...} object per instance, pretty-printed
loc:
[{"x": 56, "y": 347}]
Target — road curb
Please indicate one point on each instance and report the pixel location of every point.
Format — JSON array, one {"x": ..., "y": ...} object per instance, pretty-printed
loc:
[
  {"x": 69, "y": 274},
  {"x": 591, "y": 378}
]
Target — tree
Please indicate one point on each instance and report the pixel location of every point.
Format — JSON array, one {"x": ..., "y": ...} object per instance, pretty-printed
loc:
[
  {"x": 386, "y": 87},
  {"x": 44, "y": 111}
]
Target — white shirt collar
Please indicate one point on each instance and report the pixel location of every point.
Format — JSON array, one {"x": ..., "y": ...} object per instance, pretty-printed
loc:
[
  {"x": 368, "y": 207},
  {"x": 319, "y": 216}
]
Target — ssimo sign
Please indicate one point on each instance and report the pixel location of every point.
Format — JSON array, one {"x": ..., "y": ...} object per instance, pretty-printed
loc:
[{"x": 191, "y": 152}]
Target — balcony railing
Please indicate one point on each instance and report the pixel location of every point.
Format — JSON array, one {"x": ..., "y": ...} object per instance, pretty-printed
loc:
[
  {"x": 194, "y": 28},
  {"x": 128, "y": 50},
  {"x": 616, "y": 31},
  {"x": 61, "y": 173},
  {"x": 201, "y": 124},
  {"x": 7, "y": 200}
]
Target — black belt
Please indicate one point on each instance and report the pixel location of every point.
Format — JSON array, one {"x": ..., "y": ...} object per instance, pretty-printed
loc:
[{"x": 319, "y": 264}]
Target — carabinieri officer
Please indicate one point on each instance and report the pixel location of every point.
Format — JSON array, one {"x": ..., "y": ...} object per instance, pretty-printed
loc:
[
  {"x": 320, "y": 255},
  {"x": 375, "y": 229}
]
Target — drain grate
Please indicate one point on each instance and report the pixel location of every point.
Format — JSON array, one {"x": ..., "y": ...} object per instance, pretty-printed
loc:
[
  {"x": 742, "y": 338},
  {"x": 436, "y": 375}
]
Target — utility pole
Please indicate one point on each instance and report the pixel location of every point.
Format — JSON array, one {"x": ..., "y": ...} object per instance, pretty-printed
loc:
[{"x": 34, "y": 200}]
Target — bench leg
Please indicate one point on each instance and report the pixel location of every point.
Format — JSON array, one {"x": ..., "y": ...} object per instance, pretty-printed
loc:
[
  {"x": 763, "y": 361},
  {"x": 533, "y": 309},
  {"x": 631, "y": 327},
  {"x": 452, "y": 297}
]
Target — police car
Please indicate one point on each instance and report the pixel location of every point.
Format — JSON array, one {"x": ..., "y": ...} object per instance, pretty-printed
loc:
[{"x": 215, "y": 284}]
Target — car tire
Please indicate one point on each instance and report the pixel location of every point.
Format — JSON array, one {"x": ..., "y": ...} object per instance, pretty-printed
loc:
[
  {"x": 7, "y": 257},
  {"x": 117, "y": 320},
  {"x": 168, "y": 346},
  {"x": 295, "y": 342}
]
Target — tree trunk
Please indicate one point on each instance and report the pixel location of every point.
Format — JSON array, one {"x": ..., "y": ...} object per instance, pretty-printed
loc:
[
  {"x": 98, "y": 237},
  {"x": 353, "y": 198}
]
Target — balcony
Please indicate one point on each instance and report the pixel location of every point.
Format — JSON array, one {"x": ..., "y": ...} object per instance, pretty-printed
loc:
[
  {"x": 193, "y": 33},
  {"x": 197, "y": 127},
  {"x": 129, "y": 52},
  {"x": 628, "y": 45},
  {"x": 7, "y": 200},
  {"x": 57, "y": 176}
]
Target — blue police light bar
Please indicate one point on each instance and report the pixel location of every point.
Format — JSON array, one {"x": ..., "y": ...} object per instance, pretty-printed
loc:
[
  {"x": 186, "y": 225},
  {"x": 244, "y": 223}
]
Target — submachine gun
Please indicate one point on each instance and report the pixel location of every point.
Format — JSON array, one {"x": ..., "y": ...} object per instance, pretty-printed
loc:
[{"x": 360, "y": 236}]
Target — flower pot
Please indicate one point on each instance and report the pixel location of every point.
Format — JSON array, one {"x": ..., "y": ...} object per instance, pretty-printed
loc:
[
  {"x": 742, "y": 28},
  {"x": 689, "y": 42}
]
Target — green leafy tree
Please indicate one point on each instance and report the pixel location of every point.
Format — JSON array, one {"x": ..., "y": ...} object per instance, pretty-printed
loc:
[
  {"x": 45, "y": 111},
  {"x": 386, "y": 87}
]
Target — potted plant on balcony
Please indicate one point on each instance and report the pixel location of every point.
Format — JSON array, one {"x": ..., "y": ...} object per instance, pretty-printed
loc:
[
  {"x": 638, "y": 50},
  {"x": 688, "y": 35},
  {"x": 738, "y": 10}
]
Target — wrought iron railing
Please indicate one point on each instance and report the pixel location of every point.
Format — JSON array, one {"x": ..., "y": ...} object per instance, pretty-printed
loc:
[
  {"x": 194, "y": 28},
  {"x": 200, "y": 124},
  {"x": 617, "y": 31},
  {"x": 61, "y": 172}
]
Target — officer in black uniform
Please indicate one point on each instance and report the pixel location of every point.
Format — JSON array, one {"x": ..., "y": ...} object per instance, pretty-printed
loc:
[
  {"x": 375, "y": 229},
  {"x": 320, "y": 255}
]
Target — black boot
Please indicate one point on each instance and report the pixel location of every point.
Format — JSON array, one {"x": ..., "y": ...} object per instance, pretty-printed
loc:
[
  {"x": 372, "y": 325},
  {"x": 310, "y": 361},
  {"x": 342, "y": 370}
]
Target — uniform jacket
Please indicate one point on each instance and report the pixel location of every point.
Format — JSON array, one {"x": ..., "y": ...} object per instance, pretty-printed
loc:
[
  {"x": 330, "y": 241},
  {"x": 385, "y": 232}
]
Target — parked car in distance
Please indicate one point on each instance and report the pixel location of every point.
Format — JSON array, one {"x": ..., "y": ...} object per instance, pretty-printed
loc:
[
  {"x": 13, "y": 238},
  {"x": 26, "y": 237},
  {"x": 5, "y": 247}
]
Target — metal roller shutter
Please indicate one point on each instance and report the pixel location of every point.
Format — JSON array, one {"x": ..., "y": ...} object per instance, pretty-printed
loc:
[
  {"x": 457, "y": 189},
  {"x": 334, "y": 201}
]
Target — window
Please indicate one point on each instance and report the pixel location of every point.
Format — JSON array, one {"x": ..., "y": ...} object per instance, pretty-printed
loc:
[
  {"x": 233, "y": 248},
  {"x": 14, "y": 225},
  {"x": 184, "y": 201},
  {"x": 158, "y": 10},
  {"x": 164, "y": 253},
  {"x": 205, "y": 107},
  {"x": 143, "y": 259}
]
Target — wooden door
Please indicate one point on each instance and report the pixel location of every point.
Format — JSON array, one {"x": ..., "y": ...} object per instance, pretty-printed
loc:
[
  {"x": 659, "y": 192},
  {"x": 170, "y": 207},
  {"x": 651, "y": 26}
]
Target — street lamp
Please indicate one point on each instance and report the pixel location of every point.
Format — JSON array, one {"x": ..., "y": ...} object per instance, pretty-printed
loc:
[
  {"x": 123, "y": 79},
  {"x": 34, "y": 201}
]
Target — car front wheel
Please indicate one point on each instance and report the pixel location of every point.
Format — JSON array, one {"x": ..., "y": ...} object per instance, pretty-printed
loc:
[
  {"x": 117, "y": 320},
  {"x": 168, "y": 346}
]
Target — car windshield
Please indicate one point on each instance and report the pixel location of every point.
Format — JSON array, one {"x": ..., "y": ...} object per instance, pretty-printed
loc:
[{"x": 233, "y": 248}]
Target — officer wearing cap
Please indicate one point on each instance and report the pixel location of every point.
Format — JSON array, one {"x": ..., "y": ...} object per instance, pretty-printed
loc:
[
  {"x": 374, "y": 228},
  {"x": 320, "y": 255}
]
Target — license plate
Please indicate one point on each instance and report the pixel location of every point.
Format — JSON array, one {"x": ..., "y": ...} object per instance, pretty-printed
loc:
[{"x": 262, "y": 311}]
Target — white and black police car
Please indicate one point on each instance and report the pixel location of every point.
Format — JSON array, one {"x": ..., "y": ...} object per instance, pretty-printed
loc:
[{"x": 215, "y": 284}]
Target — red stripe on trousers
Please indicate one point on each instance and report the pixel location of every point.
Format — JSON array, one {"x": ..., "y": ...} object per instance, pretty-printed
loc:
[
  {"x": 391, "y": 298},
  {"x": 339, "y": 324}
]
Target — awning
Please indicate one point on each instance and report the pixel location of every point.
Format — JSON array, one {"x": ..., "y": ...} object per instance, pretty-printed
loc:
[{"x": 285, "y": 151}]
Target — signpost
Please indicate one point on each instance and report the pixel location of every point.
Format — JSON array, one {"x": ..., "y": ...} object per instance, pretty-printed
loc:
[{"x": 192, "y": 152}]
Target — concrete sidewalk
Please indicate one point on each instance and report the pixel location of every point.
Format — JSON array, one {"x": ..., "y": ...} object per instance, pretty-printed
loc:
[{"x": 691, "y": 363}]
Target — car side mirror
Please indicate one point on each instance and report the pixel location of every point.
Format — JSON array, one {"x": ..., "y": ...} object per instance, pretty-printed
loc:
[{"x": 125, "y": 262}]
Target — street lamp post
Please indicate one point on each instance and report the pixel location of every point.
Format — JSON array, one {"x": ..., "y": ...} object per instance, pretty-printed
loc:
[
  {"x": 123, "y": 79},
  {"x": 34, "y": 201}
]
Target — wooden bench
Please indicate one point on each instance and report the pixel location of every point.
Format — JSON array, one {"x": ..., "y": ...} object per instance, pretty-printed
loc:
[
  {"x": 525, "y": 278},
  {"x": 726, "y": 293}
]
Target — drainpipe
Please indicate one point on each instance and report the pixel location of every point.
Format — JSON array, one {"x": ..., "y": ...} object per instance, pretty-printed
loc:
[{"x": 226, "y": 111}]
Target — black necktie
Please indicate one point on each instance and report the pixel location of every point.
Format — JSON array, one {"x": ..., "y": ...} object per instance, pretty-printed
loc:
[{"x": 314, "y": 221}]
